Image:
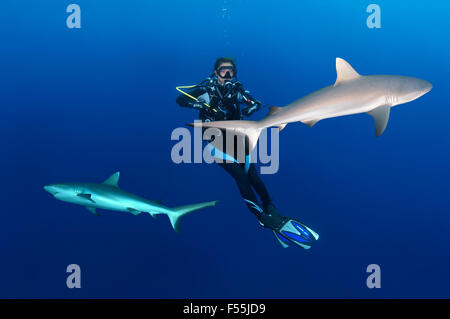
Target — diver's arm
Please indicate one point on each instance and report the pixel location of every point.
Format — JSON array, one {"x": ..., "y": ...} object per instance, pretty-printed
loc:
[
  {"x": 186, "y": 101},
  {"x": 252, "y": 104}
]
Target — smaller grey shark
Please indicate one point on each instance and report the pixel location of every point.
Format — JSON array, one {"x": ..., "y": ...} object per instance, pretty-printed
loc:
[{"x": 108, "y": 195}]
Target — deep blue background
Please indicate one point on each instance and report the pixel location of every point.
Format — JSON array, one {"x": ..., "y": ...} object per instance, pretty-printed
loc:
[{"x": 78, "y": 105}]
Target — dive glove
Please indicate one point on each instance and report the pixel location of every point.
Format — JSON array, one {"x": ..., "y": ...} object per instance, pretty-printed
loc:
[{"x": 198, "y": 105}]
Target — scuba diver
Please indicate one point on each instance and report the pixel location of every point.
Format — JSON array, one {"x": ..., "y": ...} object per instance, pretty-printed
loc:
[{"x": 218, "y": 98}]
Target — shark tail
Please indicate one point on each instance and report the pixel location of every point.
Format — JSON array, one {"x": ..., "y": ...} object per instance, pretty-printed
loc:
[
  {"x": 251, "y": 138},
  {"x": 250, "y": 130},
  {"x": 178, "y": 212}
]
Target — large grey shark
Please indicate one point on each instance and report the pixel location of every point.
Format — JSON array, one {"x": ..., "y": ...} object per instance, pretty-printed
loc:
[
  {"x": 352, "y": 93},
  {"x": 108, "y": 195}
]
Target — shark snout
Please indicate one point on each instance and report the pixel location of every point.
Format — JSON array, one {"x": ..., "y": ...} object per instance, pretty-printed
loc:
[
  {"x": 428, "y": 87},
  {"x": 422, "y": 87},
  {"x": 425, "y": 88},
  {"x": 52, "y": 189}
]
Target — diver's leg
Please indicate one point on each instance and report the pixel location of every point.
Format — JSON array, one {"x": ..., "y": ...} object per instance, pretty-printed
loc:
[
  {"x": 286, "y": 230},
  {"x": 237, "y": 171},
  {"x": 261, "y": 190},
  {"x": 259, "y": 186}
]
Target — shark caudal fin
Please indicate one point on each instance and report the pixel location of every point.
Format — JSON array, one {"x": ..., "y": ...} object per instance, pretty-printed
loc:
[
  {"x": 178, "y": 212},
  {"x": 250, "y": 130}
]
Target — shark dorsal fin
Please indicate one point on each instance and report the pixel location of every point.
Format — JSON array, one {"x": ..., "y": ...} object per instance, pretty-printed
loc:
[
  {"x": 113, "y": 180},
  {"x": 273, "y": 110},
  {"x": 344, "y": 71}
]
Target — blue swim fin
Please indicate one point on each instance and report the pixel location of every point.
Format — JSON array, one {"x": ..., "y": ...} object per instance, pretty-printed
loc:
[
  {"x": 295, "y": 232},
  {"x": 286, "y": 230}
]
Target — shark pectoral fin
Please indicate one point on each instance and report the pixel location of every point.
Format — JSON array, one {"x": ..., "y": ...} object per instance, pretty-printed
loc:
[
  {"x": 93, "y": 211},
  {"x": 86, "y": 196},
  {"x": 133, "y": 211},
  {"x": 310, "y": 123},
  {"x": 381, "y": 117}
]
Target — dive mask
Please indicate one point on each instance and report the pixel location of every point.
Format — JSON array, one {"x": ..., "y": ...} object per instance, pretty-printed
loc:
[{"x": 226, "y": 72}]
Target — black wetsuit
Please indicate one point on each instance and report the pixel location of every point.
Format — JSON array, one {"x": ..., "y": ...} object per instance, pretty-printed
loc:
[{"x": 226, "y": 102}]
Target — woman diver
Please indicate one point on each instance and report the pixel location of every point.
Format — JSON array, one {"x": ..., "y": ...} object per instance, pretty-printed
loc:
[{"x": 218, "y": 98}]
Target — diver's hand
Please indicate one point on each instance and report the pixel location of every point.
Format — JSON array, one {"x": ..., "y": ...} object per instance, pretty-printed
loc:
[
  {"x": 238, "y": 85},
  {"x": 249, "y": 110},
  {"x": 204, "y": 107},
  {"x": 198, "y": 105}
]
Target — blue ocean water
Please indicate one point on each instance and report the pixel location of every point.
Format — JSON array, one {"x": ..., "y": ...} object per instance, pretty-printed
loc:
[{"x": 80, "y": 104}]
